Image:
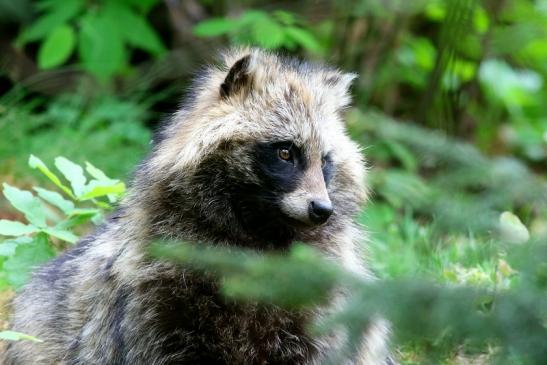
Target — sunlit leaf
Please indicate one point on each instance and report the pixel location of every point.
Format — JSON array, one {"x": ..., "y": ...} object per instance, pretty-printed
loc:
[
  {"x": 14, "y": 228},
  {"x": 100, "y": 189},
  {"x": 62, "y": 234},
  {"x": 73, "y": 173},
  {"x": 35, "y": 163},
  {"x": 26, "y": 203},
  {"x": 54, "y": 198},
  {"x": 96, "y": 173}
]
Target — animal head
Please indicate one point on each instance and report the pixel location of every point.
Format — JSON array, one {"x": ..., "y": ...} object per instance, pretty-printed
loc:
[{"x": 262, "y": 149}]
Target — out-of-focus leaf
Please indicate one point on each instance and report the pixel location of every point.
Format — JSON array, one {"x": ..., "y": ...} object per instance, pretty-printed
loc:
[
  {"x": 135, "y": 30},
  {"x": 215, "y": 27},
  {"x": 60, "y": 14},
  {"x": 55, "y": 199},
  {"x": 403, "y": 154},
  {"x": 100, "y": 46},
  {"x": 143, "y": 5},
  {"x": 57, "y": 47},
  {"x": 73, "y": 173},
  {"x": 304, "y": 38},
  {"x": 7, "y": 247},
  {"x": 17, "y": 268},
  {"x": 14, "y": 228},
  {"x": 435, "y": 10},
  {"x": 481, "y": 20},
  {"x": 268, "y": 34},
  {"x": 421, "y": 53},
  {"x": 62, "y": 234},
  {"x": 285, "y": 17},
  {"x": 512, "y": 38},
  {"x": 26, "y": 203},
  {"x": 79, "y": 217},
  {"x": 402, "y": 188},
  {"x": 513, "y": 88}
]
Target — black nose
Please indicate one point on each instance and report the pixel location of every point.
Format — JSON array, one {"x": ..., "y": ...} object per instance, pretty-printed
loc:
[{"x": 320, "y": 211}]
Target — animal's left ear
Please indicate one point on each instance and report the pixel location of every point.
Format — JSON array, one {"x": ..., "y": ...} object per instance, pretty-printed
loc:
[
  {"x": 238, "y": 78},
  {"x": 339, "y": 84}
]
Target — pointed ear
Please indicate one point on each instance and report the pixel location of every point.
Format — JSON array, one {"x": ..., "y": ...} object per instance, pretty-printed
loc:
[
  {"x": 339, "y": 83},
  {"x": 237, "y": 79}
]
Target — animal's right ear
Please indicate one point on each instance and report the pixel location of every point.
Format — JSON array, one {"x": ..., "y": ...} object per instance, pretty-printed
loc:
[
  {"x": 339, "y": 84},
  {"x": 238, "y": 78}
]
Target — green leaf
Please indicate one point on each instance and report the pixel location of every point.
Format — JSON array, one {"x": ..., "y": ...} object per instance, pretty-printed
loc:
[
  {"x": 84, "y": 212},
  {"x": 143, "y": 5},
  {"x": 62, "y": 234},
  {"x": 268, "y": 33},
  {"x": 7, "y": 248},
  {"x": 285, "y": 17},
  {"x": 101, "y": 190},
  {"x": 18, "y": 267},
  {"x": 55, "y": 199},
  {"x": 134, "y": 29},
  {"x": 78, "y": 217},
  {"x": 100, "y": 46},
  {"x": 13, "y": 228},
  {"x": 252, "y": 17},
  {"x": 96, "y": 173},
  {"x": 17, "y": 336},
  {"x": 26, "y": 203},
  {"x": 59, "y": 15},
  {"x": 215, "y": 27},
  {"x": 73, "y": 173},
  {"x": 57, "y": 47},
  {"x": 35, "y": 163},
  {"x": 304, "y": 38}
]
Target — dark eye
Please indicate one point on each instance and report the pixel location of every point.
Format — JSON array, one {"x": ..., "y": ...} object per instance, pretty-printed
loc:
[{"x": 284, "y": 154}]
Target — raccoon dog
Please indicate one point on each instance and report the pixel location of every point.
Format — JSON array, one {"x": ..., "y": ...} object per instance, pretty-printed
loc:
[{"x": 259, "y": 157}]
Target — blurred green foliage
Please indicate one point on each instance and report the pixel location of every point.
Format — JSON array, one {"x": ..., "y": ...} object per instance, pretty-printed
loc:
[
  {"x": 450, "y": 105},
  {"x": 80, "y": 127},
  {"x": 418, "y": 310},
  {"x": 100, "y": 31},
  {"x": 281, "y": 29}
]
